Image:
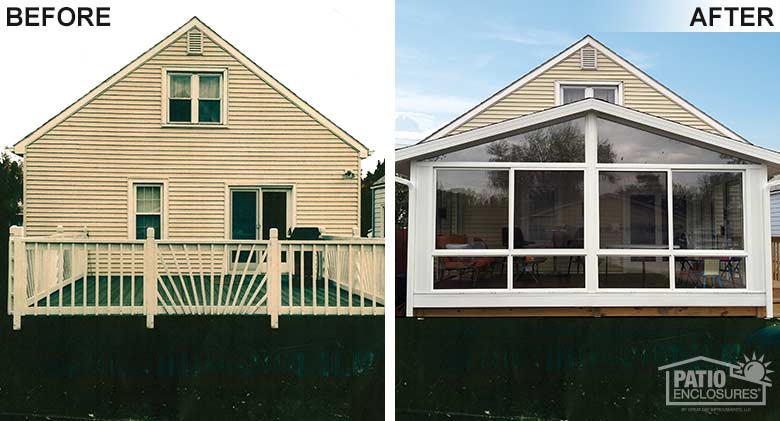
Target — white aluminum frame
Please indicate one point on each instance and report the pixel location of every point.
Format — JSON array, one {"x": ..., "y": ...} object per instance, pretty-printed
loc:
[
  {"x": 588, "y": 85},
  {"x": 422, "y": 240}
]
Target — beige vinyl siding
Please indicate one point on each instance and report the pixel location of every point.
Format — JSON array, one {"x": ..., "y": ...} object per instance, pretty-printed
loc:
[
  {"x": 77, "y": 174},
  {"x": 539, "y": 94}
]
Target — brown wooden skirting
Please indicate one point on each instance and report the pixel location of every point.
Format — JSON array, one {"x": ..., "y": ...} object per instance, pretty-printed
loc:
[{"x": 594, "y": 312}]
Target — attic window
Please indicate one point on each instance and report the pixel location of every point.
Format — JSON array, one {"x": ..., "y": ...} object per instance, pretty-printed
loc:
[
  {"x": 196, "y": 97},
  {"x": 195, "y": 42},
  {"x": 588, "y": 58},
  {"x": 569, "y": 92}
]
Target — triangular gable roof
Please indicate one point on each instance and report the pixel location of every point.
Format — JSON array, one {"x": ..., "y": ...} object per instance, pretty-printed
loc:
[
  {"x": 587, "y": 40},
  {"x": 497, "y": 130},
  {"x": 20, "y": 146}
]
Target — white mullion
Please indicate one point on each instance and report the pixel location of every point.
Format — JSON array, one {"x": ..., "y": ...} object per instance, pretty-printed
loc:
[
  {"x": 511, "y": 228},
  {"x": 670, "y": 226},
  {"x": 465, "y": 165},
  {"x": 591, "y": 205},
  {"x": 470, "y": 252},
  {"x": 195, "y": 95}
]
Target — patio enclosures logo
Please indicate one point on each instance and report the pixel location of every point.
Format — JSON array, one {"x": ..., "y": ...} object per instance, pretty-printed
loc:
[{"x": 703, "y": 381}]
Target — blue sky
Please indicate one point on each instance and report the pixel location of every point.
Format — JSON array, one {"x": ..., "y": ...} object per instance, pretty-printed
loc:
[{"x": 452, "y": 55}]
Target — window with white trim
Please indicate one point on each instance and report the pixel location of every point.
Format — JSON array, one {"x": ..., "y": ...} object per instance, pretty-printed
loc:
[
  {"x": 148, "y": 209},
  {"x": 574, "y": 92},
  {"x": 195, "y": 98}
]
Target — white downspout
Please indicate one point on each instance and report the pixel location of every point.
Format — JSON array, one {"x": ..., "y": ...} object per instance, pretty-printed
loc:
[{"x": 409, "y": 248}]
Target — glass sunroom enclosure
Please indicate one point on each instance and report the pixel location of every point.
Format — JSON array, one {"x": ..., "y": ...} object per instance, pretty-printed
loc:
[{"x": 600, "y": 207}]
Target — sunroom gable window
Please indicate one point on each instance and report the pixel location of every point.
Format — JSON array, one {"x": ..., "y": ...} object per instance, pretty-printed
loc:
[
  {"x": 560, "y": 142},
  {"x": 195, "y": 98},
  {"x": 622, "y": 144}
]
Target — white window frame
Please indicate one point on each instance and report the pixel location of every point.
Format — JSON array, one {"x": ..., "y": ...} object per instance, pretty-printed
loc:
[
  {"x": 422, "y": 223},
  {"x": 194, "y": 74},
  {"x": 588, "y": 85},
  {"x": 131, "y": 204}
]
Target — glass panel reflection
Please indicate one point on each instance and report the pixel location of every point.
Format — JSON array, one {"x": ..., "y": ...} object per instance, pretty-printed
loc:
[
  {"x": 709, "y": 272},
  {"x": 472, "y": 209},
  {"x": 632, "y": 209},
  {"x": 633, "y": 272},
  {"x": 619, "y": 143},
  {"x": 561, "y": 142},
  {"x": 548, "y": 271},
  {"x": 708, "y": 210},
  {"x": 469, "y": 272},
  {"x": 548, "y": 210}
]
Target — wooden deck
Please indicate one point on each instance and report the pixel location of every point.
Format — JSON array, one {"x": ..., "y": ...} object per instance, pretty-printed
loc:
[{"x": 188, "y": 291}]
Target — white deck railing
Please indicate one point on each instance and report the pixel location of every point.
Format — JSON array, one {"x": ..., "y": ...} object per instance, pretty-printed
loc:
[{"x": 78, "y": 276}]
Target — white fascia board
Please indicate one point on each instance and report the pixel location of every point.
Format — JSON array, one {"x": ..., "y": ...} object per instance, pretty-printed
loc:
[
  {"x": 583, "y": 106},
  {"x": 587, "y": 40}
]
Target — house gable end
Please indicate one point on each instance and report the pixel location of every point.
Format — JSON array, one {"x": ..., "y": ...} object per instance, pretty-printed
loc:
[
  {"x": 145, "y": 76},
  {"x": 536, "y": 91}
]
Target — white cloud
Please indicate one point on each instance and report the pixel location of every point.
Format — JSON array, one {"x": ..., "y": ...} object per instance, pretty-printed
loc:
[
  {"x": 431, "y": 104},
  {"x": 419, "y": 115}
]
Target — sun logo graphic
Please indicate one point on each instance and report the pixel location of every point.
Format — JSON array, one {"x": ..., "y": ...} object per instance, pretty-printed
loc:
[{"x": 704, "y": 381}]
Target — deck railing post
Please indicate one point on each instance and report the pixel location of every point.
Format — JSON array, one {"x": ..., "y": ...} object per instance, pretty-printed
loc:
[
  {"x": 150, "y": 277},
  {"x": 20, "y": 275},
  {"x": 274, "y": 277}
]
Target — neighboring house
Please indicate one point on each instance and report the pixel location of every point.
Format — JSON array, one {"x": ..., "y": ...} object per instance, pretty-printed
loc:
[
  {"x": 588, "y": 188},
  {"x": 196, "y": 142},
  {"x": 378, "y": 208},
  {"x": 775, "y": 208}
]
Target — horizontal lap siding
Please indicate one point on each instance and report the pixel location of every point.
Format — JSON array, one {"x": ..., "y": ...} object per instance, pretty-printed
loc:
[
  {"x": 77, "y": 174},
  {"x": 539, "y": 94}
]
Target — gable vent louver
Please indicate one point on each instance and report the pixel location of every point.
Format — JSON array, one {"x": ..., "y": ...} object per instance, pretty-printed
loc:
[
  {"x": 588, "y": 58},
  {"x": 194, "y": 42}
]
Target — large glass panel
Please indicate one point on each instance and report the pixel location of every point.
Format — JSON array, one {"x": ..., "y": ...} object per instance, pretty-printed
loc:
[
  {"x": 709, "y": 272},
  {"x": 619, "y": 143},
  {"x": 469, "y": 272},
  {"x": 548, "y": 271},
  {"x": 562, "y": 142},
  {"x": 472, "y": 209},
  {"x": 632, "y": 209},
  {"x": 633, "y": 272},
  {"x": 548, "y": 209},
  {"x": 708, "y": 210}
]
